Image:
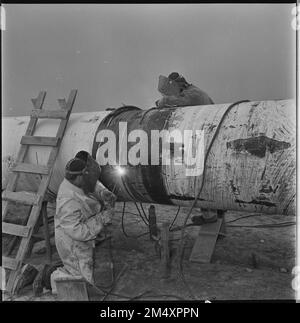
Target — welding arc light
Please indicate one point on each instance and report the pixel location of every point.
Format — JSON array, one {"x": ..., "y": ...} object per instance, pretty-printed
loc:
[{"x": 120, "y": 170}]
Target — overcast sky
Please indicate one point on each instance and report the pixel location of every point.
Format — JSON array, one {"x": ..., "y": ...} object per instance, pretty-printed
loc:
[{"x": 113, "y": 54}]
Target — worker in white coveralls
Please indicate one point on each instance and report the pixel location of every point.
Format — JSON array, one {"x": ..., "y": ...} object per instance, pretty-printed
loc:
[
  {"x": 177, "y": 92},
  {"x": 83, "y": 208},
  {"x": 80, "y": 217}
]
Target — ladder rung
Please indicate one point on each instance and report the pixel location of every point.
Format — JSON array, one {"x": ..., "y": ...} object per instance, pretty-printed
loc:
[
  {"x": 10, "y": 263},
  {"x": 51, "y": 114},
  {"x": 22, "y": 197},
  {"x": 15, "y": 229},
  {"x": 31, "y": 168},
  {"x": 39, "y": 141}
]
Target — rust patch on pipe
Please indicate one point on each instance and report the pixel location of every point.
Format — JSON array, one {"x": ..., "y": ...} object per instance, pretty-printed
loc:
[
  {"x": 263, "y": 173},
  {"x": 185, "y": 198},
  {"x": 234, "y": 189},
  {"x": 257, "y": 146},
  {"x": 270, "y": 189},
  {"x": 260, "y": 202}
]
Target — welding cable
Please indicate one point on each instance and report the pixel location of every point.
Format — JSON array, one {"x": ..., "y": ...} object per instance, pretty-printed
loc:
[
  {"x": 113, "y": 286},
  {"x": 123, "y": 228},
  {"x": 170, "y": 227},
  {"x": 112, "y": 263},
  {"x": 134, "y": 201},
  {"x": 243, "y": 217},
  {"x": 181, "y": 249},
  {"x": 270, "y": 225},
  {"x": 145, "y": 215},
  {"x": 267, "y": 225},
  {"x": 105, "y": 293},
  {"x": 132, "y": 298},
  {"x": 113, "y": 273},
  {"x": 140, "y": 214}
]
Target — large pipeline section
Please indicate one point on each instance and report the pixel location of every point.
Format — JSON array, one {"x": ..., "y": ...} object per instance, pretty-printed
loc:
[{"x": 251, "y": 165}]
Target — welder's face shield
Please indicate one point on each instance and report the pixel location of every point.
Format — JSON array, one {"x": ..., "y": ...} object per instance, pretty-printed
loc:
[
  {"x": 168, "y": 87},
  {"x": 87, "y": 173},
  {"x": 92, "y": 174}
]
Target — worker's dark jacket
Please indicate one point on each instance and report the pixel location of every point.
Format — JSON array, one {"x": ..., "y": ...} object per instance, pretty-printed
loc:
[{"x": 192, "y": 95}]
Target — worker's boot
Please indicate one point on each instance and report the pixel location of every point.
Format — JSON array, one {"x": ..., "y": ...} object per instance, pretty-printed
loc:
[
  {"x": 43, "y": 279},
  {"x": 25, "y": 278}
]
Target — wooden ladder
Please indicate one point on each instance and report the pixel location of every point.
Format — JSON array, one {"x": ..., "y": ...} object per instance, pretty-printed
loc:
[{"x": 35, "y": 200}]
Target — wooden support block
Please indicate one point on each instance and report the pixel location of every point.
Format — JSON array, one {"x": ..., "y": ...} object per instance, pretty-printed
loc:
[
  {"x": 205, "y": 242},
  {"x": 49, "y": 114},
  {"x": 165, "y": 250},
  {"x": 22, "y": 197},
  {"x": 39, "y": 141},
  {"x": 71, "y": 289},
  {"x": 31, "y": 168},
  {"x": 15, "y": 229},
  {"x": 10, "y": 263}
]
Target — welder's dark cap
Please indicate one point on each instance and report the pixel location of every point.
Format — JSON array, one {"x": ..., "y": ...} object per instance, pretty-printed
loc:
[
  {"x": 87, "y": 158},
  {"x": 76, "y": 166},
  {"x": 83, "y": 155},
  {"x": 174, "y": 76},
  {"x": 167, "y": 86}
]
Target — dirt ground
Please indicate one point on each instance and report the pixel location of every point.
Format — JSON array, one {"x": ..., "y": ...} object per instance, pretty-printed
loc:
[{"x": 248, "y": 264}]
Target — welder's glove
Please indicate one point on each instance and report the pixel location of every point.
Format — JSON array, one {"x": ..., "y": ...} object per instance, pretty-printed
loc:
[
  {"x": 108, "y": 198},
  {"x": 106, "y": 216}
]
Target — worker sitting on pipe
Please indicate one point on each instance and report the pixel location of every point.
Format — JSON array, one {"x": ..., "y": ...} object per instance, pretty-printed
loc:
[
  {"x": 177, "y": 92},
  {"x": 78, "y": 220}
]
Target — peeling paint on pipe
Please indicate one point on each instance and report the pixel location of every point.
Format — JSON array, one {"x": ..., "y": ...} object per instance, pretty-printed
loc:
[
  {"x": 251, "y": 166},
  {"x": 253, "y": 153}
]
